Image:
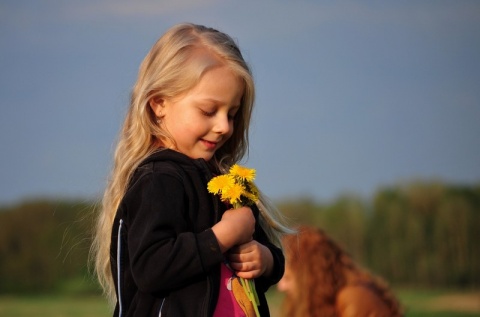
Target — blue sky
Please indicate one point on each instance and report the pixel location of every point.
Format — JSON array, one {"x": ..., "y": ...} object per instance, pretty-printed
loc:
[{"x": 352, "y": 95}]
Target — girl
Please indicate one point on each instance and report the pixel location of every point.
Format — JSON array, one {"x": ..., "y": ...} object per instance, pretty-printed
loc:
[
  {"x": 322, "y": 280},
  {"x": 162, "y": 239}
]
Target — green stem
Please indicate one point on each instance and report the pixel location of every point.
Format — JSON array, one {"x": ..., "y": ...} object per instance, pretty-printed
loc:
[
  {"x": 249, "y": 285},
  {"x": 249, "y": 288}
]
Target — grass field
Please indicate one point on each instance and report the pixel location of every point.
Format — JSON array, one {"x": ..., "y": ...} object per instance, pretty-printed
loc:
[
  {"x": 441, "y": 303},
  {"x": 425, "y": 303}
]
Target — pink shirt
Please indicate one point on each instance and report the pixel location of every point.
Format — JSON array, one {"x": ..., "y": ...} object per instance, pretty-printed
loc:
[{"x": 227, "y": 305}]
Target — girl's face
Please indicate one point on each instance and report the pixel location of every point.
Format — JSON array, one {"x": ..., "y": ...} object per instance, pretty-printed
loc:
[{"x": 201, "y": 120}]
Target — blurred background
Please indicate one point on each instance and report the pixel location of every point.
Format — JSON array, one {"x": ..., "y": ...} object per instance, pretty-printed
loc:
[{"x": 366, "y": 124}]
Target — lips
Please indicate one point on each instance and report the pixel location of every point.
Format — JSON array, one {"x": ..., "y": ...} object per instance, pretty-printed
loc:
[{"x": 209, "y": 144}]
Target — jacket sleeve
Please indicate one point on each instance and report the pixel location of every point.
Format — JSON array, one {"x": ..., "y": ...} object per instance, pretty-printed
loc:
[{"x": 164, "y": 252}]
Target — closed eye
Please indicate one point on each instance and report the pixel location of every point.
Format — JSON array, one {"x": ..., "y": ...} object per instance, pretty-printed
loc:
[
  {"x": 231, "y": 115},
  {"x": 208, "y": 113}
]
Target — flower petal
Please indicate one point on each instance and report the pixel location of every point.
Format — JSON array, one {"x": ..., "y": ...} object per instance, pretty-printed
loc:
[
  {"x": 244, "y": 173},
  {"x": 220, "y": 183},
  {"x": 233, "y": 193}
]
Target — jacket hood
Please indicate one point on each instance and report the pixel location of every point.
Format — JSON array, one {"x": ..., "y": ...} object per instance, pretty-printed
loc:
[{"x": 172, "y": 155}]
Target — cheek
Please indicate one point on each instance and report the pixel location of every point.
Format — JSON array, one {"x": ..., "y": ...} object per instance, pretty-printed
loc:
[{"x": 182, "y": 126}]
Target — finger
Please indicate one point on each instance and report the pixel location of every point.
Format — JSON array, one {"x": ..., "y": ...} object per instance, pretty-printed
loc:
[
  {"x": 245, "y": 266},
  {"x": 234, "y": 250},
  {"x": 247, "y": 246},
  {"x": 241, "y": 266},
  {"x": 242, "y": 257},
  {"x": 249, "y": 274},
  {"x": 235, "y": 257},
  {"x": 240, "y": 249}
]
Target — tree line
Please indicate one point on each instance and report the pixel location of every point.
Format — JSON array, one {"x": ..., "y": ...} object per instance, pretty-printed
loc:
[
  {"x": 418, "y": 234},
  {"x": 44, "y": 246},
  {"x": 421, "y": 234}
]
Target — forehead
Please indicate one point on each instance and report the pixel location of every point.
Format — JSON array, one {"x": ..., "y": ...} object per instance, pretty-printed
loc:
[{"x": 221, "y": 84}]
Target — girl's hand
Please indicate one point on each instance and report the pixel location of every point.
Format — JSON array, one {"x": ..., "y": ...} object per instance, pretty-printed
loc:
[
  {"x": 251, "y": 260},
  {"x": 236, "y": 227}
]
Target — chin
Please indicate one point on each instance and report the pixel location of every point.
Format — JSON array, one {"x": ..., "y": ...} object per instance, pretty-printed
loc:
[{"x": 207, "y": 157}]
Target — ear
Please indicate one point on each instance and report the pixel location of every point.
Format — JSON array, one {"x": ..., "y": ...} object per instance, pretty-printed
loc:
[{"x": 157, "y": 106}]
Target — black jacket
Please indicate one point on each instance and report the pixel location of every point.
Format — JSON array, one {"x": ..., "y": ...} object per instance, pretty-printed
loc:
[{"x": 164, "y": 255}]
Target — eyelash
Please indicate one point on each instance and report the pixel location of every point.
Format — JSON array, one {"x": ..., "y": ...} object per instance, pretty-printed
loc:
[
  {"x": 208, "y": 114},
  {"x": 211, "y": 114}
]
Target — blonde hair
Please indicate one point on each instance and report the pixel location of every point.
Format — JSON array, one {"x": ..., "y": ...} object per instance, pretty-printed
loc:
[{"x": 168, "y": 70}]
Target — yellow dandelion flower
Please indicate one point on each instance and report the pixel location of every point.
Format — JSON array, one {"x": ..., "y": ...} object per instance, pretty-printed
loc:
[
  {"x": 233, "y": 194},
  {"x": 244, "y": 173},
  {"x": 220, "y": 183},
  {"x": 238, "y": 188},
  {"x": 250, "y": 197}
]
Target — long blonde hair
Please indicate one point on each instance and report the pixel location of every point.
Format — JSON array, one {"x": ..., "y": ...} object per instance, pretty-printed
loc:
[{"x": 169, "y": 70}]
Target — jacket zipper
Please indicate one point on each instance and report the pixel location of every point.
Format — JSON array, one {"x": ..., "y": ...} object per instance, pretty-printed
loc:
[
  {"x": 119, "y": 267},
  {"x": 161, "y": 306}
]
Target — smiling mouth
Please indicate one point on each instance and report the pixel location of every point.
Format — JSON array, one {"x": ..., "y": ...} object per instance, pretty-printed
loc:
[{"x": 210, "y": 145}]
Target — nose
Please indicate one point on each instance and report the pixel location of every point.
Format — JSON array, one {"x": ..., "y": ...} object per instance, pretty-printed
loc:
[{"x": 222, "y": 124}]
